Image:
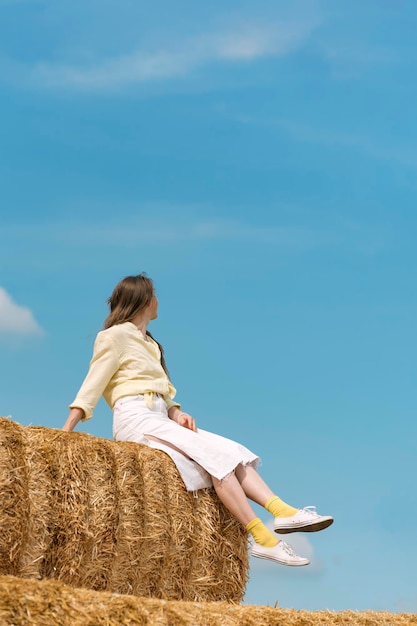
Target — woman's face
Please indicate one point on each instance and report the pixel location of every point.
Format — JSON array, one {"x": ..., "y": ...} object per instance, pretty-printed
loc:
[{"x": 153, "y": 308}]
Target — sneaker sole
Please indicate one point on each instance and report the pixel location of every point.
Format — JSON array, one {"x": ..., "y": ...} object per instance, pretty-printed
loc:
[
  {"x": 290, "y": 564},
  {"x": 302, "y": 527}
]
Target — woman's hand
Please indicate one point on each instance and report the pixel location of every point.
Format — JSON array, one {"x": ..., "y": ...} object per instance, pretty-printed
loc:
[
  {"x": 183, "y": 419},
  {"x": 187, "y": 421}
]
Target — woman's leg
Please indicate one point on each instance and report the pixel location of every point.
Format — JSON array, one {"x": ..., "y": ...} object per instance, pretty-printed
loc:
[
  {"x": 266, "y": 545},
  {"x": 253, "y": 485},
  {"x": 287, "y": 518},
  {"x": 231, "y": 494},
  {"x": 258, "y": 491}
]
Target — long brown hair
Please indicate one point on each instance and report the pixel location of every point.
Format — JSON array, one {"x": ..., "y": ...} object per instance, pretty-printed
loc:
[{"x": 130, "y": 296}]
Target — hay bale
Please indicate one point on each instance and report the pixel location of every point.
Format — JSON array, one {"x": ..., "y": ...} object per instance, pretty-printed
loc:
[
  {"x": 112, "y": 516},
  {"x": 14, "y": 505},
  {"x": 46, "y": 602}
]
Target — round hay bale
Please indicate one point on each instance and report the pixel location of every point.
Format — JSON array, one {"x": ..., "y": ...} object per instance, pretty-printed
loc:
[
  {"x": 41, "y": 603},
  {"x": 113, "y": 516}
]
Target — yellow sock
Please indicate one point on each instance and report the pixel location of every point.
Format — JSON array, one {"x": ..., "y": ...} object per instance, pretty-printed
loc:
[
  {"x": 261, "y": 533},
  {"x": 279, "y": 508}
]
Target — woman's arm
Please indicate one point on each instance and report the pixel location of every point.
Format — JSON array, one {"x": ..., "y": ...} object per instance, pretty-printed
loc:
[
  {"x": 103, "y": 365},
  {"x": 74, "y": 417},
  {"x": 183, "y": 419}
]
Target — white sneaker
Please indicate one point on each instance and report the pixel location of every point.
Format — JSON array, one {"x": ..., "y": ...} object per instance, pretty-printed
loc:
[
  {"x": 305, "y": 520},
  {"x": 281, "y": 553}
]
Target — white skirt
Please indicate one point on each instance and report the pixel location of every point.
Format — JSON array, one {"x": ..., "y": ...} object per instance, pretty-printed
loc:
[{"x": 207, "y": 454}]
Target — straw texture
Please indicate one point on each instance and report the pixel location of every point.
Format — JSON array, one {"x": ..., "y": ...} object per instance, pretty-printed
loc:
[
  {"x": 112, "y": 516},
  {"x": 46, "y": 602}
]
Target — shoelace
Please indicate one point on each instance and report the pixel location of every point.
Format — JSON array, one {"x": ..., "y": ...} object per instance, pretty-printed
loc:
[
  {"x": 310, "y": 510},
  {"x": 287, "y": 548}
]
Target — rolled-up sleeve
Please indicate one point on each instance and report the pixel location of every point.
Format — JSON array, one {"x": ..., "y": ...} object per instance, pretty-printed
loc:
[
  {"x": 103, "y": 365},
  {"x": 170, "y": 403},
  {"x": 170, "y": 395}
]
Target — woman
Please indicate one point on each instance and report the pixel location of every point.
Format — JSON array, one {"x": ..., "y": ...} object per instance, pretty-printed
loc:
[{"x": 128, "y": 368}]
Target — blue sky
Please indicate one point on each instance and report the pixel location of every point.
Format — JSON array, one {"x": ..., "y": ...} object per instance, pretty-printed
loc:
[{"x": 258, "y": 161}]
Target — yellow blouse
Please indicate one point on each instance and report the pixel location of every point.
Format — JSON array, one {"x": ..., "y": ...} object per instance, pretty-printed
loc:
[{"x": 124, "y": 363}]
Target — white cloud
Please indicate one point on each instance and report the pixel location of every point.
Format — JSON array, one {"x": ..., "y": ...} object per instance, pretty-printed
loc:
[
  {"x": 260, "y": 40},
  {"x": 244, "y": 43},
  {"x": 16, "y": 319}
]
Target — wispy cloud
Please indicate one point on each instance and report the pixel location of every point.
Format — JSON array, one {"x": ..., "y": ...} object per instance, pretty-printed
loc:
[
  {"x": 12, "y": 2},
  {"x": 242, "y": 44},
  {"x": 16, "y": 319},
  {"x": 367, "y": 144},
  {"x": 163, "y": 232},
  {"x": 351, "y": 59},
  {"x": 216, "y": 230}
]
